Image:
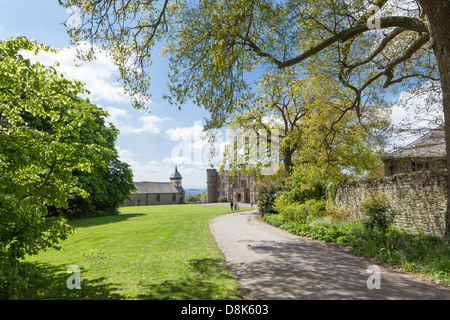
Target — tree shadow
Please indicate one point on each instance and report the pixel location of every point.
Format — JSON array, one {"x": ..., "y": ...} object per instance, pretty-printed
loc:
[
  {"x": 49, "y": 283},
  {"x": 91, "y": 222},
  {"x": 311, "y": 270},
  {"x": 200, "y": 286}
]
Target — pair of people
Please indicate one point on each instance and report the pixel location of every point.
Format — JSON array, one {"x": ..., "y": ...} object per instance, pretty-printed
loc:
[{"x": 235, "y": 205}]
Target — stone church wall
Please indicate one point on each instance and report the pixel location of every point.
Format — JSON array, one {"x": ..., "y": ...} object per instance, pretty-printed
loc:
[
  {"x": 154, "y": 199},
  {"x": 418, "y": 198}
]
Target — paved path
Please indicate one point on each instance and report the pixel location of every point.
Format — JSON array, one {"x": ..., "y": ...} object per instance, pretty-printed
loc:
[{"x": 271, "y": 263}]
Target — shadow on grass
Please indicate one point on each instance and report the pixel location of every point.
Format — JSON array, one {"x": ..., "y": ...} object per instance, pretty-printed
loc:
[
  {"x": 211, "y": 281},
  {"x": 90, "y": 222},
  {"x": 49, "y": 283}
]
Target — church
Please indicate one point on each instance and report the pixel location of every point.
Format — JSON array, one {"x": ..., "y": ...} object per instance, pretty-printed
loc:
[{"x": 158, "y": 193}]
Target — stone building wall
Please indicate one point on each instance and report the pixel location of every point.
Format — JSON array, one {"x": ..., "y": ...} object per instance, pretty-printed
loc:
[
  {"x": 240, "y": 188},
  {"x": 419, "y": 199},
  {"x": 154, "y": 199}
]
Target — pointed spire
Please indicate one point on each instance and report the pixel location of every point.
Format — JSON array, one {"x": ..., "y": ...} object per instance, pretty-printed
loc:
[{"x": 176, "y": 174}]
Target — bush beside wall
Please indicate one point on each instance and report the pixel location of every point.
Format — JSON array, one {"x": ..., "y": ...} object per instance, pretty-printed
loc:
[{"x": 419, "y": 199}]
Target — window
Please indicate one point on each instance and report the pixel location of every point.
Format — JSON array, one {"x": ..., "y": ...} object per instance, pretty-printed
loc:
[
  {"x": 158, "y": 197},
  {"x": 174, "y": 197}
]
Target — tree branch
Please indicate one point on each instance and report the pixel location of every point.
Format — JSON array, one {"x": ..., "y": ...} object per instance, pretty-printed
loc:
[
  {"x": 403, "y": 22},
  {"x": 377, "y": 51}
]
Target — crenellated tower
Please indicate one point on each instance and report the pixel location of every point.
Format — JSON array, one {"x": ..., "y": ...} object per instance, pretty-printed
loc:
[{"x": 211, "y": 185}]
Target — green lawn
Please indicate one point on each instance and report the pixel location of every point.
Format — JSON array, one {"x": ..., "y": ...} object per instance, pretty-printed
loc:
[{"x": 151, "y": 252}]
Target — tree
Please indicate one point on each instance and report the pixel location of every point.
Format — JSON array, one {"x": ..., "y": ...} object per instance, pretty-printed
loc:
[
  {"x": 42, "y": 120},
  {"x": 307, "y": 111},
  {"x": 109, "y": 181},
  {"x": 212, "y": 44}
]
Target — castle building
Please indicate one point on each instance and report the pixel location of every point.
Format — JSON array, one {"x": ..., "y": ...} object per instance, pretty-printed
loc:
[
  {"x": 237, "y": 189},
  {"x": 154, "y": 193}
]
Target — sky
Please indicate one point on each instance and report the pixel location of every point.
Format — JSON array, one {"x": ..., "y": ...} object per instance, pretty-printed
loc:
[{"x": 152, "y": 143}]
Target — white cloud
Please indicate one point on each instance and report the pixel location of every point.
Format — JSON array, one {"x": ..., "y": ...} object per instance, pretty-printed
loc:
[
  {"x": 99, "y": 75},
  {"x": 117, "y": 115},
  {"x": 193, "y": 133},
  {"x": 127, "y": 124},
  {"x": 177, "y": 160},
  {"x": 194, "y": 177},
  {"x": 127, "y": 156},
  {"x": 415, "y": 112},
  {"x": 148, "y": 125},
  {"x": 193, "y": 148},
  {"x": 420, "y": 107}
]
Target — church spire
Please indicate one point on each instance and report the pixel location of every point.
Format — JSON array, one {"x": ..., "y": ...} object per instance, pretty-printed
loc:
[
  {"x": 176, "y": 177},
  {"x": 176, "y": 174}
]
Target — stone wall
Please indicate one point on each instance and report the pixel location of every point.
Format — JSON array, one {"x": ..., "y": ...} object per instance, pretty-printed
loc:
[
  {"x": 154, "y": 199},
  {"x": 418, "y": 198}
]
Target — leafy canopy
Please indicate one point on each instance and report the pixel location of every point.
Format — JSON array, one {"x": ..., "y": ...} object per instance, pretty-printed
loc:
[{"x": 45, "y": 139}]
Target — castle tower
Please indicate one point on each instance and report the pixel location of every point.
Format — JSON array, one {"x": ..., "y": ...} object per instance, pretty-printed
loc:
[
  {"x": 211, "y": 185},
  {"x": 176, "y": 178}
]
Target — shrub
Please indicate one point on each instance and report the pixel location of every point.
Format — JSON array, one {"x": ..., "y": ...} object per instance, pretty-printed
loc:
[
  {"x": 305, "y": 183},
  {"x": 223, "y": 199},
  {"x": 299, "y": 212},
  {"x": 378, "y": 212},
  {"x": 266, "y": 192},
  {"x": 336, "y": 213},
  {"x": 331, "y": 191}
]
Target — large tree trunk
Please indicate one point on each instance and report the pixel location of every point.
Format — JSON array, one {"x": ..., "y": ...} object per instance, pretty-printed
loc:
[
  {"x": 287, "y": 159},
  {"x": 438, "y": 14}
]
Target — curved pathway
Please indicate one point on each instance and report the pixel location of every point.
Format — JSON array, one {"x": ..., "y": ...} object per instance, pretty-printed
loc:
[{"x": 270, "y": 263}]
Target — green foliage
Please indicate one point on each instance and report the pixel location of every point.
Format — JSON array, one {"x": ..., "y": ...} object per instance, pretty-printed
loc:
[
  {"x": 378, "y": 212},
  {"x": 266, "y": 192},
  {"x": 212, "y": 45},
  {"x": 331, "y": 192},
  {"x": 223, "y": 199},
  {"x": 46, "y": 148},
  {"x": 303, "y": 194},
  {"x": 303, "y": 211},
  {"x": 305, "y": 183},
  {"x": 413, "y": 252},
  {"x": 299, "y": 211},
  {"x": 193, "y": 198},
  {"x": 36, "y": 160},
  {"x": 110, "y": 180}
]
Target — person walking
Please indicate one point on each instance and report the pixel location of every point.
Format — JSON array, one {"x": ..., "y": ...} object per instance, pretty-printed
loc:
[{"x": 231, "y": 205}]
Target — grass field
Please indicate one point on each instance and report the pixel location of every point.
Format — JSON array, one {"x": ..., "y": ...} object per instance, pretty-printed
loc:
[{"x": 147, "y": 252}]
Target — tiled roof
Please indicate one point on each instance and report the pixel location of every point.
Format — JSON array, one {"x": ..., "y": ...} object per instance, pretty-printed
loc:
[
  {"x": 431, "y": 145},
  {"x": 157, "y": 187}
]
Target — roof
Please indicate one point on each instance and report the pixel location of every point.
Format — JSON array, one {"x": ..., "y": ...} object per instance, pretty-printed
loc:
[
  {"x": 431, "y": 145},
  {"x": 156, "y": 187},
  {"x": 176, "y": 174}
]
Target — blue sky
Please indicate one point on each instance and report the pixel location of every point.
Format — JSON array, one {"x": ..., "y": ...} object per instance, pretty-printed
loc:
[{"x": 152, "y": 143}]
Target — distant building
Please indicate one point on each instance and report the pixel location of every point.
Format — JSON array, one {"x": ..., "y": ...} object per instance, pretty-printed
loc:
[
  {"x": 237, "y": 189},
  {"x": 425, "y": 153},
  {"x": 154, "y": 193}
]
